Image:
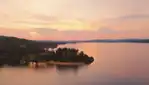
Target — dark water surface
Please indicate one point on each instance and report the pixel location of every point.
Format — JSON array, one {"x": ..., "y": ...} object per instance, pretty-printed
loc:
[{"x": 115, "y": 64}]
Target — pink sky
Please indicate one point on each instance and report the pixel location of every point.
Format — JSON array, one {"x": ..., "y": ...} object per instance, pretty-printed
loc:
[
  {"x": 74, "y": 20},
  {"x": 49, "y": 34}
]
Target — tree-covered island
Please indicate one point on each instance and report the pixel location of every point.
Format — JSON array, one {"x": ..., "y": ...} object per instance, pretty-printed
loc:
[{"x": 17, "y": 52}]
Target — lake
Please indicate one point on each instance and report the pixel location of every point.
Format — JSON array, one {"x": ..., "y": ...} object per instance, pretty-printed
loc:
[{"x": 115, "y": 64}]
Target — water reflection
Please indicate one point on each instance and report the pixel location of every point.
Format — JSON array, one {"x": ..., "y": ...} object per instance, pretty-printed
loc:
[
  {"x": 61, "y": 69},
  {"x": 65, "y": 69}
]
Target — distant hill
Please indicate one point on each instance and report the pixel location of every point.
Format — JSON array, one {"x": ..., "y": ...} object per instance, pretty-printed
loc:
[
  {"x": 102, "y": 41},
  {"x": 13, "y": 43}
]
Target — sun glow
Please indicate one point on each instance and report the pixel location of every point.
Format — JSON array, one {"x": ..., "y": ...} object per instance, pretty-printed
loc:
[
  {"x": 34, "y": 35},
  {"x": 71, "y": 25}
]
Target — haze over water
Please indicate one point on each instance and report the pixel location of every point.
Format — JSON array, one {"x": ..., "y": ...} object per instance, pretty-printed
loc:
[{"x": 115, "y": 64}]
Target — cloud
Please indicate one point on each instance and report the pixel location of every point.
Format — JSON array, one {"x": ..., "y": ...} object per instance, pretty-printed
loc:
[
  {"x": 128, "y": 23},
  {"x": 14, "y": 32},
  {"x": 107, "y": 30},
  {"x": 37, "y": 19},
  {"x": 32, "y": 22},
  {"x": 134, "y": 17},
  {"x": 53, "y": 34},
  {"x": 45, "y": 31},
  {"x": 127, "y": 17},
  {"x": 42, "y": 17}
]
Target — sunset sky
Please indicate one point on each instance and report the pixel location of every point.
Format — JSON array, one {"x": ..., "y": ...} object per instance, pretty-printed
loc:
[{"x": 74, "y": 19}]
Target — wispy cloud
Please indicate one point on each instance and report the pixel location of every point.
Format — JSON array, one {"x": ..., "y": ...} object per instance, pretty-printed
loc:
[
  {"x": 135, "y": 16},
  {"x": 52, "y": 34},
  {"x": 128, "y": 17},
  {"x": 42, "y": 17},
  {"x": 14, "y": 32},
  {"x": 29, "y": 22}
]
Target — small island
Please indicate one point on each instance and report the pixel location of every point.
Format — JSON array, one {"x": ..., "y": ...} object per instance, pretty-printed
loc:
[{"x": 22, "y": 52}]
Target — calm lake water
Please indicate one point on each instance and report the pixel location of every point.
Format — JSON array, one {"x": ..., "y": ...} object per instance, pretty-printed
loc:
[{"x": 115, "y": 64}]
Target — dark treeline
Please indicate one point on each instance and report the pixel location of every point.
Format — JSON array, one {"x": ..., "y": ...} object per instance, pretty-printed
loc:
[
  {"x": 62, "y": 55},
  {"x": 16, "y": 51}
]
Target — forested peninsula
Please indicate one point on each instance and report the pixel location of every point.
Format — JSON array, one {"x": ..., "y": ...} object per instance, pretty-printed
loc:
[{"x": 20, "y": 52}]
